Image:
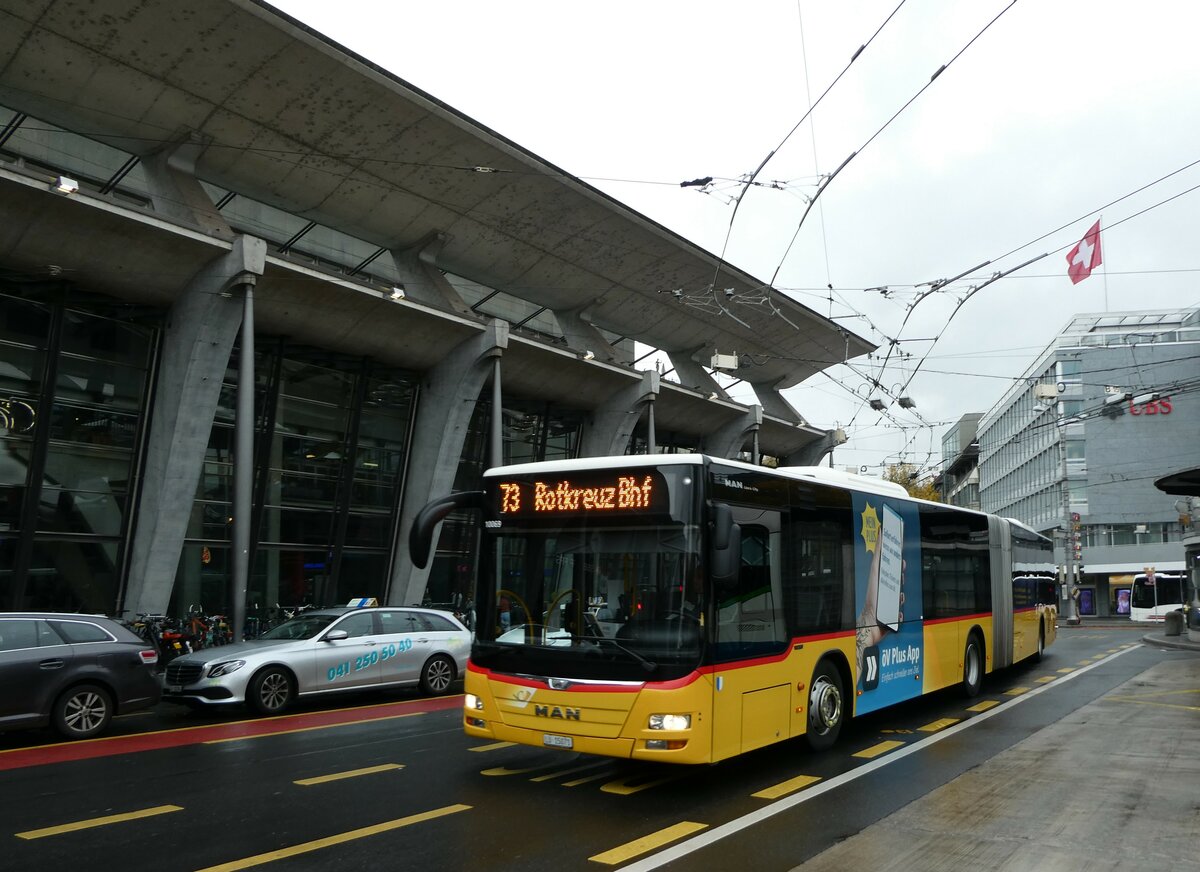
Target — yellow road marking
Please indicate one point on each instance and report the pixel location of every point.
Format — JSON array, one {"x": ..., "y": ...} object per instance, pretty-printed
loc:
[
  {"x": 317, "y": 844},
  {"x": 353, "y": 773},
  {"x": 1016, "y": 691},
  {"x": 940, "y": 724},
  {"x": 876, "y": 750},
  {"x": 1085, "y": 662},
  {"x": 578, "y": 781},
  {"x": 98, "y": 822},
  {"x": 1151, "y": 699},
  {"x": 623, "y": 787},
  {"x": 783, "y": 788},
  {"x": 647, "y": 843},
  {"x": 1045, "y": 679},
  {"x": 561, "y": 772},
  {"x": 495, "y": 746},
  {"x": 984, "y": 706},
  {"x": 308, "y": 729},
  {"x": 1066, "y": 669}
]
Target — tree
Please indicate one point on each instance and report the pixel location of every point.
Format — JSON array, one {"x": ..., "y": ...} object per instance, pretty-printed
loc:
[{"x": 908, "y": 477}]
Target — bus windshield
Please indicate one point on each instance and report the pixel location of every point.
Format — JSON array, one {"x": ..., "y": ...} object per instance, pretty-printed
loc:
[
  {"x": 597, "y": 598},
  {"x": 1163, "y": 590}
]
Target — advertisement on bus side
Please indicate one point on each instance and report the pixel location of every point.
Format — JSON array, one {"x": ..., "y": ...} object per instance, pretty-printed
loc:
[{"x": 889, "y": 640}]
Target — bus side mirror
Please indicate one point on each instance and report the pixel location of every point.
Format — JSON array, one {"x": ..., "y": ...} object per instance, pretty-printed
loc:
[
  {"x": 725, "y": 555},
  {"x": 420, "y": 537}
]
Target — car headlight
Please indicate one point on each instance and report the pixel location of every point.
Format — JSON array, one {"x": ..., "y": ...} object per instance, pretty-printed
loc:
[
  {"x": 471, "y": 701},
  {"x": 225, "y": 667},
  {"x": 670, "y": 722}
]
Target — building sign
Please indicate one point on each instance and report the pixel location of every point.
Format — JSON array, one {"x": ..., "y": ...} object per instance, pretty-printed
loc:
[{"x": 1161, "y": 406}]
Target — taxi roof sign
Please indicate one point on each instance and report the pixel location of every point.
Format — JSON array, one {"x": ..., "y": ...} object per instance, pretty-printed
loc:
[{"x": 363, "y": 602}]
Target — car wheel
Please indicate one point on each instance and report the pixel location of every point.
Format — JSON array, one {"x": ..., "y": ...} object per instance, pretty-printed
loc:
[
  {"x": 437, "y": 675},
  {"x": 271, "y": 691},
  {"x": 972, "y": 668},
  {"x": 83, "y": 712},
  {"x": 826, "y": 707}
]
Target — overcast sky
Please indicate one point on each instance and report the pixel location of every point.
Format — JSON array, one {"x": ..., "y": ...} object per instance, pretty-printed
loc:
[{"x": 1058, "y": 109}]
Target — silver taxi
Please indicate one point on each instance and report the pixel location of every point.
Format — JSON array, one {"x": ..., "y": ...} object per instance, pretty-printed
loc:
[{"x": 324, "y": 651}]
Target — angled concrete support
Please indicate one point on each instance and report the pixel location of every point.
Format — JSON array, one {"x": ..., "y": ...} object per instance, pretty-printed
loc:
[
  {"x": 693, "y": 375},
  {"x": 423, "y": 281},
  {"x": 613, "y": 422},
  {"x": 728, "y": 441},
  {"x": 201, "y": 328},
  {"x": 582, "y": 335},
  {"x": 775, "y": 405},
  {"x": 813, "y": 453},
  {"x": 176, "y": 193},
  {"x": 448, "y": 395}
]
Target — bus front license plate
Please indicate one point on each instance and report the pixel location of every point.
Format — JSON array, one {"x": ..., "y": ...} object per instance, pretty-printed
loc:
[{"x": 557, "y": 741}]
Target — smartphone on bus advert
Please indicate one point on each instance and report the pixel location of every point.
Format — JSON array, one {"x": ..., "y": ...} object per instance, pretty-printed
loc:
[{"x": 891, "y": 569}]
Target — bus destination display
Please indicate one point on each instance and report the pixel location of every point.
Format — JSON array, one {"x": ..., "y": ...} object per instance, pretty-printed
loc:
[{"x": 617, "y": 494}]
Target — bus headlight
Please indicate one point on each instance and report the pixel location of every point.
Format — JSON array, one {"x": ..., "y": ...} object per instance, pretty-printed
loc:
[
  {"x": 471, "y": 701},
  {"x": 670, "y": 722}
]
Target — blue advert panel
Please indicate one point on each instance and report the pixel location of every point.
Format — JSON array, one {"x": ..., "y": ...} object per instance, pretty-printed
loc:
[{"x": 889, "y": 641}]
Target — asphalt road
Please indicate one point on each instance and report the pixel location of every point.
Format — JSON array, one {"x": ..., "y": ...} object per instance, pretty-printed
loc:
[{"x": 390, "y": 782}]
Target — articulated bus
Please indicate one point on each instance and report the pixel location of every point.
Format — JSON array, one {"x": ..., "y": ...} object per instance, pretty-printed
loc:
[
  {"x": 686, "y": 609},
  {"x": 1155, "y": 594}
]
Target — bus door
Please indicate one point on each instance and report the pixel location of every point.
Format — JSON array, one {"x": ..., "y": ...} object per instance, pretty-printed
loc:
[{"x": 752, "y": 691}]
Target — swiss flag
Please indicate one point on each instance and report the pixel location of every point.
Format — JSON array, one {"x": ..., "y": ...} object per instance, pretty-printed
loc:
[{"x": 1085, "y": 256}]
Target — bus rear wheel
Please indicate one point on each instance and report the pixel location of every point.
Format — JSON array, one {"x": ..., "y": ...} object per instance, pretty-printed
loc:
[
  {"x": 826, "y": 707},
  {"x": 972, "y": 667}
]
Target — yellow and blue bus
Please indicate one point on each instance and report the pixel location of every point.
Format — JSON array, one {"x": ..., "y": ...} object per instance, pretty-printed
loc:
[{"x": 687, "y": 609}]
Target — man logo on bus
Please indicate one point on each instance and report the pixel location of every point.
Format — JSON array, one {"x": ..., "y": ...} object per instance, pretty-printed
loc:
[
  {"x": 566, "y": 714},
  {"x": 870, "y": 526}
]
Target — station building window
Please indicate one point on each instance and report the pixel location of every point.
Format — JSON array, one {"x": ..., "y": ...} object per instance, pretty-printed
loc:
[
  {"x": 73, "y": 384},
  {"x": 331, "y": 435}
]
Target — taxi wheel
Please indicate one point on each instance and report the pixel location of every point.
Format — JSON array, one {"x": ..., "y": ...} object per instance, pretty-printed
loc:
[
  {"x": 437, "y": 675},
  {"x": 826, "y": 707},
  {"x": 271, "y": 691},
  {"x": 82, "y": 712},
  {"x": 972, "y": 667}
]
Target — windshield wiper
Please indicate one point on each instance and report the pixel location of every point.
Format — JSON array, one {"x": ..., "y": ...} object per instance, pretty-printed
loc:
[{"x": 648, "y": 665}]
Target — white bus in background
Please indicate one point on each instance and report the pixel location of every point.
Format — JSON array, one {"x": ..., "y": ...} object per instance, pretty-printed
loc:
[{"x": 1154, "y": 594}]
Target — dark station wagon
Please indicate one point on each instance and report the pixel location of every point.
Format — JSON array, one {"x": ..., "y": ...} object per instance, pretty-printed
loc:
[{"x": 72, "y": 672}]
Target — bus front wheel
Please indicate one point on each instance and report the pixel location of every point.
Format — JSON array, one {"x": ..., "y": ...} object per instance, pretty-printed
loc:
[
  {"x": 972, "y": 667},
  {"x": 826, "y": 707}
]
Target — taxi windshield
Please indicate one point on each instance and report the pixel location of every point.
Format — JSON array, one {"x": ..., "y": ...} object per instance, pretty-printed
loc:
[{"x": 300, "y": 627}]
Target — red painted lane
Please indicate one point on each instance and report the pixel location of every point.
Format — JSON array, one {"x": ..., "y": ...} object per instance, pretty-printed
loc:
[{"x": 19, "y": 758}]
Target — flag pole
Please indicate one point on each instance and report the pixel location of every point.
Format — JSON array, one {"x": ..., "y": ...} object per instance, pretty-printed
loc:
[{"x": 1104, "y": 267}]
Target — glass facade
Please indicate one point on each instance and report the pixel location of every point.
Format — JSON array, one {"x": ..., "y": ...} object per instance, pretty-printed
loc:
[
  {"x": 330, "y": 441},
  {"x": 74, "y": 376}
]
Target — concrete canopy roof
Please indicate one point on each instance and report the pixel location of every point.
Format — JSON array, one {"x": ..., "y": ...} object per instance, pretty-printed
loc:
[{"x": 287, "y": 117}]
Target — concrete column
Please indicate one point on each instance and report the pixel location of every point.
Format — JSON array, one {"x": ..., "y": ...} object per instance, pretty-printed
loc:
[
  {"x": 728, "y": 441},
  {"x": 423, "y": 281},
  {"x": 583, "y": 336},
  {"x": 693, "y": 375},
  {"x": 814, "y": 452},
  {"x": 200, "y": 331},
  {"x": 775, "y": 405},
  {"x": 613, "y": 422},
  {"x": 175, "y": 192},
  {"x": 448, "y": 395}
]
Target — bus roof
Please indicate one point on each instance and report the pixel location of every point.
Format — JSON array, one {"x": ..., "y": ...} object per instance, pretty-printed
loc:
[{"x": 822, "y": 474}]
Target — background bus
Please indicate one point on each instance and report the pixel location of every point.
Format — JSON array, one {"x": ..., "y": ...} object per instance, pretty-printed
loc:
[
  {"x": 1155, "y": 594},
  {"x": 688, "y": 609}
]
